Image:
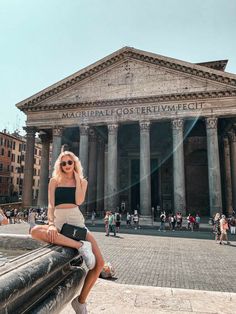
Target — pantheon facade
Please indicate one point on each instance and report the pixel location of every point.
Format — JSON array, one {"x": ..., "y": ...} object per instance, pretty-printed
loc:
[{"x": 151, "y": 132}]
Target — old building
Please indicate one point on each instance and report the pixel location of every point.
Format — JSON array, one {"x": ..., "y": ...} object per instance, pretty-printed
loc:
[
  {"x": 149, "y": 130},
  {"x": 12, "y": 165}
]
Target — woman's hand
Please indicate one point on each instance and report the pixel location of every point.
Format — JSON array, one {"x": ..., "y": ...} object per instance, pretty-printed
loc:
[{"x": 52, "y": 233}]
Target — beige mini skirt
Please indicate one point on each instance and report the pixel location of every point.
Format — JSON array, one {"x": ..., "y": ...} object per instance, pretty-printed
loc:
[{"x": 71, "y": 216}]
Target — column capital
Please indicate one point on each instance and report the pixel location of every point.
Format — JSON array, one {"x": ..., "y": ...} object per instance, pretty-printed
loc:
[
  {"x": 144, "y": 125},
  {"x": 84, "y": 129},
  {"x": 92, "y": 135},
  {"x": 57, "y": 130},
  {"x": 44, "y": 137},
  {"x": 232, "y": 136},
  {"x": 225, "y": 140},
  {"x": 177, "y": 124},
  {"x": 211, "y": 123},
  {"x": 30, "y": 130},
  {"x": 112, "y": 128}
]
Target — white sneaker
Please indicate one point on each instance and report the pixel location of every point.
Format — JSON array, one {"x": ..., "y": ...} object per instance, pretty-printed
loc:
[
  {"x": 86, "y": 251},
  {"x": 79, "y": 308}
]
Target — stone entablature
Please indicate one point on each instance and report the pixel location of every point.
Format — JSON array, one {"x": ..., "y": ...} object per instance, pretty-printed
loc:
[{"x": 126, "y": 112}]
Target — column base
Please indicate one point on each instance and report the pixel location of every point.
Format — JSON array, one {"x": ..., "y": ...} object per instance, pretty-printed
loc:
[{"x": 145, "y": 220}]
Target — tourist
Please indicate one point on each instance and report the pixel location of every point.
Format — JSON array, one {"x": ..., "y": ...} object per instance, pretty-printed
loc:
[
  {"x": 67, "y": 189},
  {"x": 197, "y": 221},
  {"x": 93, "y": 217},
  {"x": 173, "y": 222},
  {"x": 118, "y": 220},
  {"x": 163, "y": 220},
  {"x": 32, "y": 218},
  {"x": 106, "y": 220},
  {"x": 188, "y": 222},
  {"x": 224, "y": 227},
  {"x": 216, "y": 227},
  {"x": 3, "y": 218},
  {"x": 136, "y": 220},
  {"x": 128, "y": 219},
  {"x": 192, "y": 222},
  {"x": 111, "y": 223},
  {"x": 179, "y": 220},
  {"x": 232, "y": 224}
]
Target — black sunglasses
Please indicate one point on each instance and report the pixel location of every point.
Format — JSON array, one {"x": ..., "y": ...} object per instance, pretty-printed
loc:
[{"x": 69, "y": 162}]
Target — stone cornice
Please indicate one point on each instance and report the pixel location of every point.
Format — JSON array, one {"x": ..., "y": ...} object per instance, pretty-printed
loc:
[
  {"x": 134, "y": 101},
  {"x": 123, "y": 54}
]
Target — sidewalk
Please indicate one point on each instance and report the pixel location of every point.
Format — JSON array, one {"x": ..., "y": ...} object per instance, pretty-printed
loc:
[{"x": 108, "y": 297}]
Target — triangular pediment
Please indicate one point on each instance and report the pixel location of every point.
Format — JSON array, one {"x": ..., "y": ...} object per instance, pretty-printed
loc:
[{"x": 131, "y": 73}]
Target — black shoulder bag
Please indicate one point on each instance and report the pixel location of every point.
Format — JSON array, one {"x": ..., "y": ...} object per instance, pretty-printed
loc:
[{"x": 74, "y": 232}]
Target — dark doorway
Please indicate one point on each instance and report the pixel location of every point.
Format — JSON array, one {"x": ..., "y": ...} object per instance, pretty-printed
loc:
[
  {"x": 135, "y": 174},
  {"x": 197, "y": 192},
  {"x": 155, "y": 183}
]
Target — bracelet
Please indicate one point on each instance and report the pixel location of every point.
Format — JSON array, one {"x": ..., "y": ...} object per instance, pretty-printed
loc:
[{"x": 51, "y": 224}]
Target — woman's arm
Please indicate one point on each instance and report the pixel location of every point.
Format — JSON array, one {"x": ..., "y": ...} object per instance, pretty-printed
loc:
[
  {"x": 81, "y": 188},
  {"x": 51, "y": 200}
]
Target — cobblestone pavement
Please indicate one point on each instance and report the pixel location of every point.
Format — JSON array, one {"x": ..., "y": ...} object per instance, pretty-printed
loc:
[
  {"x": 164, "y": 260},
  {"x": 171, "y": 262}
]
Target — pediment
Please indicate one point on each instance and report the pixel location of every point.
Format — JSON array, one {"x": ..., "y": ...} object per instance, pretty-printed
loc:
[
  {"x": 134, "y": 79},
  {"x": 130, "y": 73}
]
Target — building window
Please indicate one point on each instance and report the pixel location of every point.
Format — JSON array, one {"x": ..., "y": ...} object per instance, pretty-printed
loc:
[
  {"x": 38, "y": 172},
  {"x": 8, "y": 167},
  {"x": 14, "y": 145},
  {"x": 22, "y": 169},
  {"x": 2, "y": 151},
  {"x": 1, "y": 141},
  {"x": 13, "y": 157},
  {"x": 12, "y": 169},
  {"x": 17, "y": 181},
  {"x": 34, "y": 172},
  {"x": 18, "y": 159},
  {"x": 11, "y": 180},
  {"x": 9, "y": 153},
  {"x": 1, "y": 167}
]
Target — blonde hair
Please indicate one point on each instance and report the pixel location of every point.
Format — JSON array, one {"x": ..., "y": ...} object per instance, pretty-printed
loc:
[{"x": 58, "y": 173}]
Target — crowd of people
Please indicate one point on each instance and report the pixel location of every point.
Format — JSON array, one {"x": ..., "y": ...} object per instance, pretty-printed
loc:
[
  {"x": 11, "y": 215},
  {"x": 178, "y": 222},
  {"x": 222, "y": 225}
]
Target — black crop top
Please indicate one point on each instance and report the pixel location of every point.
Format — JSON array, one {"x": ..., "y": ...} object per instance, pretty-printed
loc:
[{"x": 65, "y": 195}]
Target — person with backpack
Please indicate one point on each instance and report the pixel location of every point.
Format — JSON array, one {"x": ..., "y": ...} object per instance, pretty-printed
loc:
[
  {"x": 111, "y": 224},
  {"x": 118, "y": 221}
]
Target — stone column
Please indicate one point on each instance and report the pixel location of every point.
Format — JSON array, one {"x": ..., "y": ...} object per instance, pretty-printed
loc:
[
  {"x": 92, "y": 180},
  {"x": 145, "y": 171},
  {"x": 227, "y": 169},
  {"x": 56, "y": 146},
  {"x": 29, "y": 166},
  {"x": 44, "y": 170},
  {"x": 105, "y": 177},
  {"x": 213, "y": 166},
  {"x": 83, "y": 148},
  {"x": 112, "y": 166},
  {"x": 100, "y": 176},
  {"x": 178, "y": 166},
  {"x": 232, "y": 140}
]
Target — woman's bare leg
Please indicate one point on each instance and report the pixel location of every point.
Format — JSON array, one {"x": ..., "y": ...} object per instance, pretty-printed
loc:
[
  {"x": 40, "y": 233},
  {"x": 95, "y": 272}
]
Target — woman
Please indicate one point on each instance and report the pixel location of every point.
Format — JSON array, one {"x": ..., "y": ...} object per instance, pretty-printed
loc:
[
  {"x": 216, "y": 227},
  {"x": 67, "y": 189},
  {"x": 3, "y": 218},
  {"x": 224, "y": 227}
]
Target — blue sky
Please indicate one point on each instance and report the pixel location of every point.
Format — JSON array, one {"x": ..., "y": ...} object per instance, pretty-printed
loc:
[{"x": 43, "y": 41}]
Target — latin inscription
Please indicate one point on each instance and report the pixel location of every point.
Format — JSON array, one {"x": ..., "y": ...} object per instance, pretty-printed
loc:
[{"x": 123, "y": 111}]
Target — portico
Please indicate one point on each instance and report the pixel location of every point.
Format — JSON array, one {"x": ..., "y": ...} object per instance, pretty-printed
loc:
[{"x": 142, "y": 125}]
